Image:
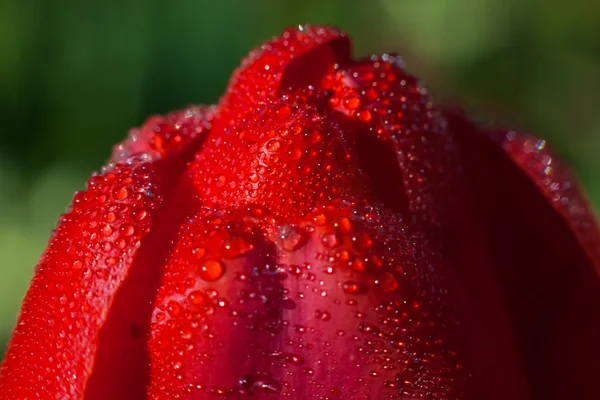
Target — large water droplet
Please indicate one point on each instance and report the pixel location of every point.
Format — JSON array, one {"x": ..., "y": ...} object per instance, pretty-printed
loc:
[
  {"x": 211, "y": 270},
  {"x": 362, "y": 241},
  {"x": 343, "y": 224},
  {"x": 273, "y": 145},
  {"x": 234, "y": 247},
  {"x": 197, "y": 297},
  {"x": 294, "y": 153},
  {"x": 386, "y": 283},
  {"x": 292, "y": 238},
  {"x": 331, "y": 240},
  {"x": 120, "y": 193}
]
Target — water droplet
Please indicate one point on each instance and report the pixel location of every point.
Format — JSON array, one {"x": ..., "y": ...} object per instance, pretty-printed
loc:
[
  {"x": 211, "y": 270},
  {"x": 320, "y": 219},
  {"x": 186, "y": 334},
  {"x": 292, "y": 238},
  {"x": 362, "y": 241},
  {"x": 294, "y": 359},
  {"x": 236, "y": 247},
  {"x": 322, "y": 315},
  {"x": 283, "y": 112},
  {"x": 352, "y": 103},
  {"x": 197, "y": 297},
  {"x": 128, "y": 230},
  {"x": 198, "y": 252},
  {"x": 331, "y": 240},
  {"x": 314, "y": 136},
  {"x": 344, "y": 224},
  {"x": 353, "y": 287},
  {"x": 221, "y": 180},
  {"x": 110, "y": 217},
  {"x": 294, "y": 153},
  {"x": 267, "y": 385},
  {"x": 106, "y": 230},
  {"x": 273, "y": 145},
  {"x": 386, "y": 283},
  {"x": 120, "y": 193},
  {"x": 357, "y": 265},
  {"x": 141, "y": 215},
  {"x": 256, "y": 211},
  {"x": 173, "y": 308},
  {"x": 364, "y": 115}
]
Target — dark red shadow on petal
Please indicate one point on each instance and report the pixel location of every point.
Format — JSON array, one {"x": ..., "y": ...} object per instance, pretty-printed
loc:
[
  {"x": 550, "y": 286},
  {"x": 295, "y": 59},
  {"x": 122, "y": 365},
  {"x": 378, "y": 159},
  {"x": 310, "y": 67}
]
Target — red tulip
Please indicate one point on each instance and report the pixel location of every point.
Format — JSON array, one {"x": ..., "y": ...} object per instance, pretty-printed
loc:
[{"x": 324, "y": 232}]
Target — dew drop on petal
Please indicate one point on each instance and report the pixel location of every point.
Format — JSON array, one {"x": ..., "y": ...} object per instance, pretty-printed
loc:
[
  {"x": 386, "y": 283},
  {"x": 353, "y": 287},
  {"x": 292, "y": 238},
  {"x": 197, "y": 297},
  {"x": 235, "y": 247},
  {"x": 211, "y": 270}
]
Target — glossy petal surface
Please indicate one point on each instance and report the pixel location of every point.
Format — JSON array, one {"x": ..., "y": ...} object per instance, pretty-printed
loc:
[{"x": 350, "y": 303}]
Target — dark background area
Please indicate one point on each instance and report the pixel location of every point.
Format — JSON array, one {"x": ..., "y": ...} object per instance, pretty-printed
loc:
[{"x": 76, "y": 75}]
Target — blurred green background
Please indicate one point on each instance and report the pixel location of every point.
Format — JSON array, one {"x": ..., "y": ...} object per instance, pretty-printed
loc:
[{"x": 75, "y": 75}]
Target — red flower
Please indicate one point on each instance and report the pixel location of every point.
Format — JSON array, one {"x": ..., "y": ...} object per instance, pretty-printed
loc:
[{"x": 325, "y": 232}]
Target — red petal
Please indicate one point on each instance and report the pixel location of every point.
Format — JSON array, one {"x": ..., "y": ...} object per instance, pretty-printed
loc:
[
  {"x": 82, "y": 327},
  {"x": 163, "y": 135},
  {"x": 284, "y": 155},
  {"x": 348, "y": 303},
  {"x": 544, "y": 244},
  {"x": 377, "y": 98},
  {"x": 414, "y": 164},
  {"x": 295, "y": 59}
]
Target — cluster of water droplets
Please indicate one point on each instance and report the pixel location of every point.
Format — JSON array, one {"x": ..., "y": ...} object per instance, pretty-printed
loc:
[{"x": 300, "y": 301}]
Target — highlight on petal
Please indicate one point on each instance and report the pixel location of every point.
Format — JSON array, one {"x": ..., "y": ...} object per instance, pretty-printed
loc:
[{"x": 542, "y": 240}]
